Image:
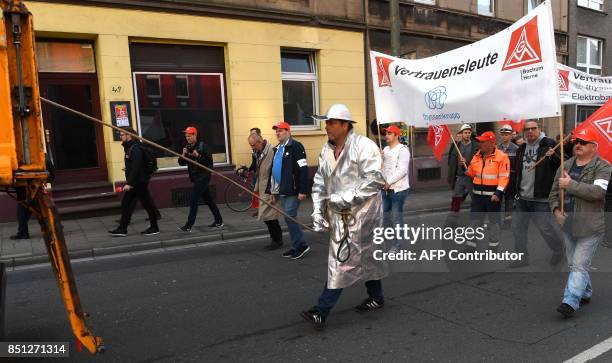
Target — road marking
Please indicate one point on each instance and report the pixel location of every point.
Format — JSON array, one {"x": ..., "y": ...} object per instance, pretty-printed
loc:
[{"x": 592, "y": 353}]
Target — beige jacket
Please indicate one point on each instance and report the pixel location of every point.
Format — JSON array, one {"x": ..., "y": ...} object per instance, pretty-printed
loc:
[{"x": 264, "y": 164}]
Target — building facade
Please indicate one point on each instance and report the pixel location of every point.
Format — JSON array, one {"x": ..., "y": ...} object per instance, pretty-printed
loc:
[
  {"x": 431, "y": 27},
  {"x": 590, "y": 51},
  {"x": 160, "y": 66}
]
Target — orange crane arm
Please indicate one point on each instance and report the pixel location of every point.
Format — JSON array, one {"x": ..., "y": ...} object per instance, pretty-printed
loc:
[{"x": 22, "y": 155}]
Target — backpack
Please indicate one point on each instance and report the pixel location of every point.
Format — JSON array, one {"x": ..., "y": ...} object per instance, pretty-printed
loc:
[{"x": 149, "y": 160}]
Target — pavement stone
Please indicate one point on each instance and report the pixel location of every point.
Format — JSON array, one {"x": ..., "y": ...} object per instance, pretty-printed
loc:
[{"x": 89, "y": 236}]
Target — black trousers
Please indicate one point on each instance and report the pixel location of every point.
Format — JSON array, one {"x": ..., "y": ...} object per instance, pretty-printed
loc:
[
  {"x": 141, "y": 193},
  {"x": 23, "y": 213},
  {"x": 200, "y": 188},
  {"x": 276, "y": 233}
]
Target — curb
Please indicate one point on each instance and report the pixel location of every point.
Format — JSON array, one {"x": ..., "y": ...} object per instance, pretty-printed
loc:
[{"x": 18, "y": 261}]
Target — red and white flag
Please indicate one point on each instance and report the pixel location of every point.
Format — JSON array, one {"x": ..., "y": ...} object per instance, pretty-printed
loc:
[
  {"x": 599, "y": 124},
  {"x": 438, "y": 137},
  {"x": 517, "y": 125}
]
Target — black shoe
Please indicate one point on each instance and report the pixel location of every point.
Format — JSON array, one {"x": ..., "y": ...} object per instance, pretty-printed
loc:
[
  {"x": 519, "y": 263},
  {"x": 216, "y": 225},
  {"x": 119, "y": 232},
  {"x": 20, "y": 236},
  {"x": 566, "y": 310},
  {"x": 585, "y": 301},
  {"x": 315, "y": 318},
  {"x": 289, "y": 253},
  {"x": 185, "y": 229},
  {"x": 369, "y": 304},
  {"x": 150, "y": 231},
  {"x": 555, "y": 259},
  {"x": 300, "y": 253},
  {"x": 274, "y": 246},
  {"x": 494, "y": 247}
]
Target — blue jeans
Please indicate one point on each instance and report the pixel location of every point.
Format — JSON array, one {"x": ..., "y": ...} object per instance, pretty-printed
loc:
[
  {"x": 290, "y": 204},
  {"x": 393, "y": 210},
  {"x": 329, "y": 297},
  {"x": 579, "y": 253}
]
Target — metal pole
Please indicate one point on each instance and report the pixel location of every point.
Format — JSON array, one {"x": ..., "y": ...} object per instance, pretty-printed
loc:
[{"x": 395, "y": 27}]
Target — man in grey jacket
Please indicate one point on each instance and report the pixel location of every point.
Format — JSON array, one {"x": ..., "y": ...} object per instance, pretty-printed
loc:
[{"x": 585, "y": 181}]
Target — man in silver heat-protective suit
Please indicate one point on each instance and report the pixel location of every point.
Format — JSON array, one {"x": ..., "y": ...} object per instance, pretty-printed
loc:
[{"x": 347, "y": 201}]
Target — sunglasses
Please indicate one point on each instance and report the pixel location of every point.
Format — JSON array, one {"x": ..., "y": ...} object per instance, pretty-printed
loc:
[{"x": 582, "y": 142}]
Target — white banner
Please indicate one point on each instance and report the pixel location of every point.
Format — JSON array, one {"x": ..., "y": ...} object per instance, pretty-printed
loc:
[
  {"x": 510, "y": 75},
  {"x": 576, "y": 87}
]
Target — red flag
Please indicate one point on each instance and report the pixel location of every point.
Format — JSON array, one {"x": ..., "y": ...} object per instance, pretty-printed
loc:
[
  {"x": 437, "y": 138},
  {"x": 600, "y": 124},
  {"x": 516, "y": 125}
]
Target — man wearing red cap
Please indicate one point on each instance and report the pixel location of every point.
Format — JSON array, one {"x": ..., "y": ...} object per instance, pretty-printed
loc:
[
  {"x": 396, "y": 161},
  {"x": 289, "y": 184},
  {"x": 199, "y": 151},
  {"x": 585, "y": 181},
  {"x": 490, "y": 170}
]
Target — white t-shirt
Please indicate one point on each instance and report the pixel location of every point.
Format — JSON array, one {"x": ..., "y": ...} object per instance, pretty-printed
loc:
[{"x": 396, "y": 166}]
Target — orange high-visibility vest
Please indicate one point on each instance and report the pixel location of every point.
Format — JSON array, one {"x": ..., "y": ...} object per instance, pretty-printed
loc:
[{"x": 491, "y": 174}]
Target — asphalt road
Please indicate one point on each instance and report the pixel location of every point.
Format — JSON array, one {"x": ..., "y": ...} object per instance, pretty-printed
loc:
[{"x": 237, "y": 302}]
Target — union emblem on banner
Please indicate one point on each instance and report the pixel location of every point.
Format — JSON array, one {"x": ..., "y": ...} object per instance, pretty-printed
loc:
[
  {"x": 604, "y": 126},
  {"x": 563, "y": 80},
  {"x": 382, "y": 65},
  {"x": 524, "y": 46}
]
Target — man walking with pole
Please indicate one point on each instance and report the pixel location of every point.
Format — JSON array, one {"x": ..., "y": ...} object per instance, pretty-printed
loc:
[
  {"x": 137, "y": 177},
  {"x": 347, "y": 202},
  {"x": 581, "y": 214},
  {"x": 533, "y": 184},
  {"x": 198, "y": 150},
  {"x": 264, "y": 152},
  {"x": 459, "y": 157}
]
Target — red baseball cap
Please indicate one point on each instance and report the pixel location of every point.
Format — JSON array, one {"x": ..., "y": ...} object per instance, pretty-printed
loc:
[
  {"x": 486, "y": 136},
  {"x": 282, "y": 125},
  {"x": 586, "y": 134},
  {"x": 394, "y": 130},
  {"x": 191, "y": 130}
]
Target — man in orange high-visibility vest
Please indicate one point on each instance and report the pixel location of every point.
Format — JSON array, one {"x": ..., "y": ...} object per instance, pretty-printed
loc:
[{"x": 490, "y": 173}]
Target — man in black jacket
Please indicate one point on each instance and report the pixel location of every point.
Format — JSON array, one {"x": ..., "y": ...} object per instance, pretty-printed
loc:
[
  {"x": 459, "y": 183},
  {"x": 198, "y": 150},
  {"x": 532, "y": 189},
  {"x": 137, "y": 179},
  {"x": 289, "y": 183}
]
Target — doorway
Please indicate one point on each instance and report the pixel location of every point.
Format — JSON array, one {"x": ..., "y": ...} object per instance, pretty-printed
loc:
[{"x": 76, "y": 144}]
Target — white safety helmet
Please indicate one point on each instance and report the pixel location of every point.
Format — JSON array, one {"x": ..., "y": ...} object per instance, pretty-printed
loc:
[
  {"x": 465, "y": 127},
  {"x": 337, "y": 111},
  {"x": 506, "y": 129}
]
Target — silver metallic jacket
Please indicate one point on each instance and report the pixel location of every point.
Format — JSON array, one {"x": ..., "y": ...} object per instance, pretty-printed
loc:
[{"x": 354, "y": 182}]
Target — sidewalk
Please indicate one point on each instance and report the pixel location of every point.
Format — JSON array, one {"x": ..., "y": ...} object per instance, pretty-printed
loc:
[{"x": 88, "y": 237}]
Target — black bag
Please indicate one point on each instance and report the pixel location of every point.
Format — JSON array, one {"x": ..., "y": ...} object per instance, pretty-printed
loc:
[{"x": 150, "y": 161}]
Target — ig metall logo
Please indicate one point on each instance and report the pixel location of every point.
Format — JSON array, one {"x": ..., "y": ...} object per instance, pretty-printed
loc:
[{"x": 435, "y": 98}]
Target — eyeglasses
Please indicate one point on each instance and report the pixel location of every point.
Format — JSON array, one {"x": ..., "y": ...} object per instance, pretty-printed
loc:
[
  {"x": 122, "y": 135},
  {"x": 530, "y": 128}
]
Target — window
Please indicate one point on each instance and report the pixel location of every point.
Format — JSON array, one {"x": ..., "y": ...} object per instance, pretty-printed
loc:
[
  {"x": 164, "y": 118},
  {"x": 486, "y": 7},
  {"x": 182, "y": 86},
  {"x": 592, "y": 4},
  {"x": 428, "y": 2},
  {"x": 176, "y": 86},
  {"x": 588, "y": 58},
  {"x": 300, "y": 89},
  {"x": 532, "y": 4},
  {"x": 153, "y": 86},
  {"x": 65, "y": 57},
  {"x": 584, "y": 112}
]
